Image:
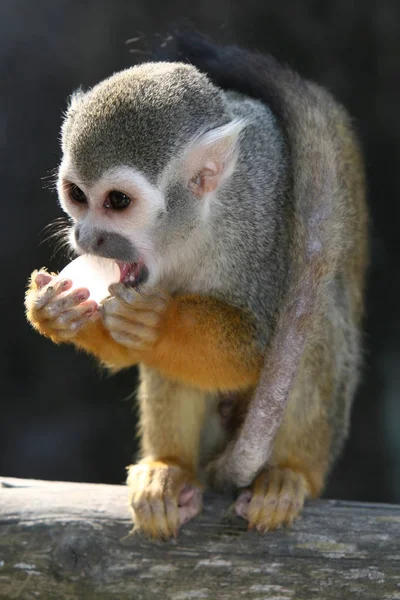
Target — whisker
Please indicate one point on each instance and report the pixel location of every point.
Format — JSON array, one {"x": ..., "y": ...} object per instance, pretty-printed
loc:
[
  {"x": 57, "y": 222},
  {"x": 50, "y": 180},
  {"x": 63, "y": 246},
  {"x": 57, "y": 234}
]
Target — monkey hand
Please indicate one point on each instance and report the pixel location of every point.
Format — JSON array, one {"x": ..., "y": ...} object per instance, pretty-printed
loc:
[
  {"x": 164, "y": 496},
  {"x": 133, "y": 319},
  {"x": 52, "y": 312}
]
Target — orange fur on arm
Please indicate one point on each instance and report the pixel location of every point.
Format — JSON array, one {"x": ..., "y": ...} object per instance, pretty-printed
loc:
[
  {"x": 208, "y": 344},
  {"x": 95, "y": 338},
  {"x": 202, "y": 342}
]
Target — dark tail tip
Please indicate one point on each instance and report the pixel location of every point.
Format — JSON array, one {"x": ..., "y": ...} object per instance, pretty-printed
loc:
[{"x": 185, "y": 43}]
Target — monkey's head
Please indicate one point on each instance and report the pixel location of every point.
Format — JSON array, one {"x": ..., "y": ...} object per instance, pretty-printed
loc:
[{"x": 145, "y": 155}]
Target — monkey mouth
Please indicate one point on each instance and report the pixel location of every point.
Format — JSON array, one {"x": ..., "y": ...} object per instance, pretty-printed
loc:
[{"x": 132, "y": 274}]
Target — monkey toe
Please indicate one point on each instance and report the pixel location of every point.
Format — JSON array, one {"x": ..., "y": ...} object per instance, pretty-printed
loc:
[
  {"x": 162, "y": 498},
  {"x": 276, "y": 498},
  {"x": 189, "y": 503},
  {"x": 156, "y": 518}
]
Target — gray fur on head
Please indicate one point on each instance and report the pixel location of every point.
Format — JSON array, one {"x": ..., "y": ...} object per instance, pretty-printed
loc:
[{"x": 140, "y": 116}]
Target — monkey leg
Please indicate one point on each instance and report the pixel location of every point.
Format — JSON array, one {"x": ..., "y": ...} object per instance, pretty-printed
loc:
[
  {"x": 302, "y": 451},
  {"x": 164, "y": 490}
]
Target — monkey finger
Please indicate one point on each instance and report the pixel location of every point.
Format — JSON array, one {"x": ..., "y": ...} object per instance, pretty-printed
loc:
[
  {"x": 127, "y": 341},
  {"x": 47, "y": 294},
  {"x": 65, "y": 303},
  {"x": 300, "y": 493},
  {"x": 190, "y": 503},
  {"x": 149, "y": 514},
  {"x": 142, "y": 515},
  {"x": 187, "y": 498},
  {"x": 43, "y": 279},
  {"x": 158, "y": 523},
  {"x": 115, "y": 308},
  {"x": 242, "y": 504},
  {"x": 186, "y": 494},
  {"x": 131, "y": 330},
  {"x": 285, "y": 501},
  {"x": 264, "y": 500},
  {"x": 81, "y": 311},
  {"x": 124, "y": 293},
  {"x": 266, "y": 516},
  {"x": 150, "y": 517},
  {"x": 258, "y": 492},
  {"x": 139, "y": 300},
  {"x": 172, "y": 515}
]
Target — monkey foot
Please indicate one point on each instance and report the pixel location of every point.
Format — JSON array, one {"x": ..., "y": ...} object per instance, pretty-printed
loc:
[
  {"x": 163, "y": 497},
  {"x": 275, "y": 498}
]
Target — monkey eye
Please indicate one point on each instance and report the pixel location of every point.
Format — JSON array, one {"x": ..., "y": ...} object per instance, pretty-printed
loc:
[
  {"x": 117, "y": 200},
  {"x": 76, "y": 194}
]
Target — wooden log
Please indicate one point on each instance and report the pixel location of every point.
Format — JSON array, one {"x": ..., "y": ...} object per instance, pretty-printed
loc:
[{"x": 67, "y": 541}]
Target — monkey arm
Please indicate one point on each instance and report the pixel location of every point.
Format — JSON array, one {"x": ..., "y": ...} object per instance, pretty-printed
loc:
[
  {"x": 206, "y": 343},
  {"x": 95, "y": 339},
  {"x": 197, "y": 340},
  {"x": 71, "y": 318},
  {"x": 200, "y": 341},
  {"x": 194, "y": 339}
]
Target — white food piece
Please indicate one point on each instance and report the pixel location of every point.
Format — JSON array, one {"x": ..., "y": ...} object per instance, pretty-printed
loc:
[{"x": 93, "y": 273}]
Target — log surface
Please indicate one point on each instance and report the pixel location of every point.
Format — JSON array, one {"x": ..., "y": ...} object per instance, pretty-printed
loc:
[{"x": 67, "y": 541}]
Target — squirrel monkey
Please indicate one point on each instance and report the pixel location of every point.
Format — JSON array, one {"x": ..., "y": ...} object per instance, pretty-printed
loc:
[{"x": 231, "y": 193}]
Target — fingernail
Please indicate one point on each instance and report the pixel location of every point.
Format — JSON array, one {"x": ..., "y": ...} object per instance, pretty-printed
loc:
[
  {"x": 82, "y": 297},
  {"x": 64, "y": 284},
  {"x": 40, "y": 283}
]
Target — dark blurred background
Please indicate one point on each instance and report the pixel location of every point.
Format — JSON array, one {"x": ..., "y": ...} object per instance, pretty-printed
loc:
[{"x": 61, "y": 418}]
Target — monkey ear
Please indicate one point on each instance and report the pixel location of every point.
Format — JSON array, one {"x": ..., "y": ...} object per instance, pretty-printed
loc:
[{"x": 210, "y": 158}]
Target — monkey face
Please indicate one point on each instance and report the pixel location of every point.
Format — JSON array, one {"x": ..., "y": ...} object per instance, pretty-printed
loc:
[
  {"x": 114, "y": 217},
  {"x": 150, "y": 228},
  {"x": 145, "y": 154}
]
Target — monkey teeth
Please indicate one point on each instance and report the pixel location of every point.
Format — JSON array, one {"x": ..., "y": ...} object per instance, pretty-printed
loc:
[{"x": 128, "y": 272}]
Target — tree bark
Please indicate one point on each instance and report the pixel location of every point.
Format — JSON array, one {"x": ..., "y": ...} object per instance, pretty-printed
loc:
[{"x": 67, "y": 541}]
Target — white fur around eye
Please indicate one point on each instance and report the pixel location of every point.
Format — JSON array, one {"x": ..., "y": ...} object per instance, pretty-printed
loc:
[
  {"x": 67, "y": 173},
  {"x": 147, "y": 199}
]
